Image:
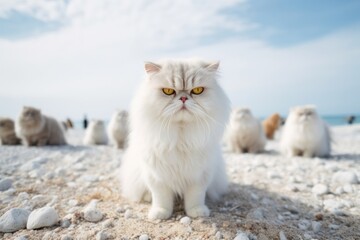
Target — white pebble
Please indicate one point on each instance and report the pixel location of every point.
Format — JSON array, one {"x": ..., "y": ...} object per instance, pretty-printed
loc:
[
  {"x": 5, "y": 184},
  {"x": 316, "y": 226},
  {"x": 66, "y": 237},
  {"x": 37, "y": 173},
  {"x": 339, "y": 190},
  {"x": 48, "y": 236},
  {"x": 307, "y": 236},
  {"x": 282, "y": 235},
  {"x": 144, "y": 237},
  {"x": 91, "y": 213},
  {"x": 102, "y": 235},
  {"x": 23, "y": 196},
  {"x": 128, "y": 214},
  {"x": 304, "y": 224},
  {"x": 65, "y": 223},
  {"x": 89, "y": 178},
  {"x": 39, "y": 200},
  {"x": 320, "y": 189},
  {"x": 30, "y": 166},
  {"x": 348, "y": 188},
  {"x": 60, "y": 172},
  {"x": 334, "y": 226},
  {"x": 218, "y": 235},
  {"x": 42, "y": 217},
  {"x": 256, "y": 214},
  {"x": 241, "y": 236},
  {"x": 13, "y": 220},
  {"x": 345, "y": 177},
  {"x": 332, "y": 205},
  {"x": 73, "y": 202},
  {"x": 108, "y": 223},
  {"x": 185, "y": 220},
  {"x": 21, "y": 238}
]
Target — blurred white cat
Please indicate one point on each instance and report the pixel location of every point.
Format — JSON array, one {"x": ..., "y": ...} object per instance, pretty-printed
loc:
[
  {"x": 305, "y": 134},
  {"x": 244, "y": 133},
  {"x": 176, "y": 123},
  {"x": 36, "y": 129},
  {"x": 95, "y": 133},
  {"x": 118, "y": 129}
]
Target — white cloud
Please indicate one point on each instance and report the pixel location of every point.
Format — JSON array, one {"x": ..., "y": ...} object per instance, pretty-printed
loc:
[
  {"x": 94, "y": 63},
  {"x": 45, "y": 10}
]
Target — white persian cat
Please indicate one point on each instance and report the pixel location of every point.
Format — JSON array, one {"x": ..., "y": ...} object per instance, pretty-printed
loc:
[
  {"x": 118, "y": 129},
  {"x": 176, "y": 123},
  {"x": 36, "y": 129},
  {"x": 95, "y": 133},
  {"x": 305, "y": 134},
  {"x": 244, "y": 133}
]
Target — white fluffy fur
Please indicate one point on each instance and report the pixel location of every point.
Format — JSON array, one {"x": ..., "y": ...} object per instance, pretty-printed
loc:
[
  {"x": 36, "y": 129},
  {"x": 244, "y": 132},
  {"x": 95, "y": 133},
  {"x": 118, "y": 129},
  {"x": 175, "y": 152},
  {"x": 305, "y": 134}
]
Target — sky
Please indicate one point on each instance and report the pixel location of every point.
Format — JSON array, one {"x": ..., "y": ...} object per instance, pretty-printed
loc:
[{"x": 76, "y": 57}]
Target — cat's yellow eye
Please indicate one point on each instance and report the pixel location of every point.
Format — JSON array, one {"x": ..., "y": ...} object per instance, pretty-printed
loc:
[
  {"x": 168, "y": 91},
  {"x": 197, "y": 90}
]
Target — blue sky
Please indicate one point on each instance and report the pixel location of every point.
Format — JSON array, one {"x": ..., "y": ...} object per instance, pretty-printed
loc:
[{"x": 75, "y": 56}]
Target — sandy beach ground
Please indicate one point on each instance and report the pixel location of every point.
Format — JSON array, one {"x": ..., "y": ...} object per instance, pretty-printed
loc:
[{"x": 270, "y": 196}]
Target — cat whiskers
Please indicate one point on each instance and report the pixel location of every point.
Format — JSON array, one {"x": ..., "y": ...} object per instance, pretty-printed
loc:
[
  {"x": 202, "y": 122},
  {"x": 169, "y": 111},
  {"x": 202, "y": 110}
]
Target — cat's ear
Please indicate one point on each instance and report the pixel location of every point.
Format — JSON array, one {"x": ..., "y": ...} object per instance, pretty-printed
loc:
[
  {"x": 152, "y": 67},
  {"x": 213, "y": 66}
]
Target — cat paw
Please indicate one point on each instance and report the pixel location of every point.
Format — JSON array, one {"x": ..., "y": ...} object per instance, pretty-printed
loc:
[
  {"x": 159, "y": 213},
  {"x": 198, "y": 211}
]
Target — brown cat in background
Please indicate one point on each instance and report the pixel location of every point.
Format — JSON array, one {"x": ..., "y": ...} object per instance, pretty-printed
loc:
[
  {"x": 271, "y": 124},
  {"x": 36, "y": 129},
  {"x": 7, "y": 132}
]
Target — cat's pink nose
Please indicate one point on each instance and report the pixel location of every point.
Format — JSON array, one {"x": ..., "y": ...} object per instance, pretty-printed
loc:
[{"x": 183, "y": 99}]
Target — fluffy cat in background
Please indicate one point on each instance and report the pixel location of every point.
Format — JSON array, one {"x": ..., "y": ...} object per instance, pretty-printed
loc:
[
  {"x": 244, "y": 133},
  {"x": 7, "y": 132},
  {"x": 36, "y": 129},
  {"x": 95, "y": 133},
  {"x": 305, "y": 134},
  {"x": 118, "y": 129},
  {"x": 271, "y": 124},
  {"x": 176, "y": 121}
]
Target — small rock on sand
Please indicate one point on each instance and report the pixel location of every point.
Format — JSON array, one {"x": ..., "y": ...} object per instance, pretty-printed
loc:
[
  {"x": 102, "y": 235},
  {"x": 14, "y": 219},
  {"x": 345, "y": 177},
  {"x": 42, "y": 217},
  {"x": 144, "y": 237},
  {"x": 320, "y": 189},
  {"x": 185, "y": 220},
  {"x": 282, "y": 235},
  {"x": 91, "y": 213},
  {"x": 241, "y": 236},
  {"x": 5, "y": 184}
]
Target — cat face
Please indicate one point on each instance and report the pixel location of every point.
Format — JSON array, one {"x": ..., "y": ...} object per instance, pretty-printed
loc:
[
  {"x": 97, "y": 125},
  {"x": 6, "y": 125},
  {"x": 121, "y": 116},
  {"x": 241, "y": 114},
  {"x": 303, "y": 114},
  {"x": 30, "y": 116},
  {"x": 181, "y": 91}
]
